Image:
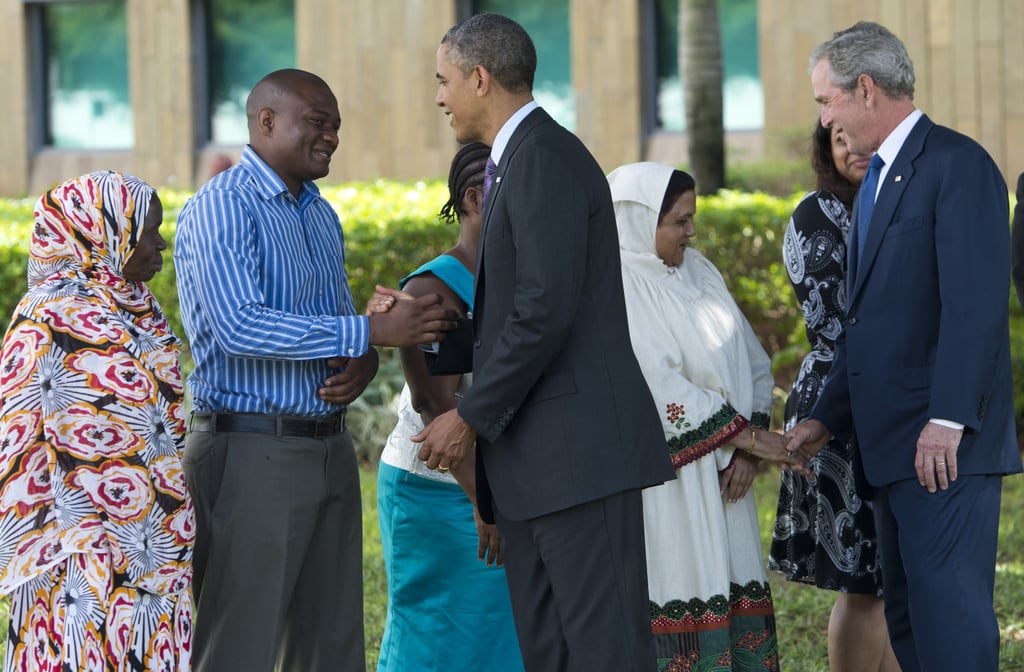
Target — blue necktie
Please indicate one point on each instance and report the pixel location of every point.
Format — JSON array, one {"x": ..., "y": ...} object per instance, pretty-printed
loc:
[
  {"x": 866, "y": 203},
  {"x": 489, "y": 170}
]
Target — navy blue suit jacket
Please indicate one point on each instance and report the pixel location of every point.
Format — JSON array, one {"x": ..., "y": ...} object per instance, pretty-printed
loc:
[
  {"x": 927, "y": 332},
  {"x": 1017, "y": 238}
]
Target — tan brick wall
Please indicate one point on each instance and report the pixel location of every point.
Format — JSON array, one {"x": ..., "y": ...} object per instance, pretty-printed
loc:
[
  {"x": 606, "y": 52},
  {"x": 967, "y": 58},
  {"x": 161, "y": 85},
  {"x": 379, "y": 57},
  {"x": 14, "y": 140}
]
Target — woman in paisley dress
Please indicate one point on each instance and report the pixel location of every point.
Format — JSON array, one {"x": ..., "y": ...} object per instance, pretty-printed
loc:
[
  {"x": 96, "y": 524},
  {"x": 824, "y": 531},
  {"x": 711, "y": 605}
]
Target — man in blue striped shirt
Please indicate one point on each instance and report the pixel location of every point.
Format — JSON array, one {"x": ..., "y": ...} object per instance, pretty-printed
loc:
[{"x": 279, "y": 351}]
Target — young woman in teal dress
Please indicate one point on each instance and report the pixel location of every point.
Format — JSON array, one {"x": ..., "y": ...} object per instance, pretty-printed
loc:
[{"x": 448, "y": 603}]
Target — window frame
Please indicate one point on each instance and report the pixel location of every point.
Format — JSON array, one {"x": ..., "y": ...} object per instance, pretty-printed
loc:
[{"x": 40, "y": 133}]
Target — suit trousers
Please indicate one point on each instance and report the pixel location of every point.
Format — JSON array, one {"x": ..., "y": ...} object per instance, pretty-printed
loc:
[
  {"x": 278, "y": 553},
  {"x": 938, "y": 567},
  {"x": 578, "y": 583}
]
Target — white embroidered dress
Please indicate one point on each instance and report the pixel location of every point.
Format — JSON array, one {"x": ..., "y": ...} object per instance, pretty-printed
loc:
[{"x": 710, "y": 379}]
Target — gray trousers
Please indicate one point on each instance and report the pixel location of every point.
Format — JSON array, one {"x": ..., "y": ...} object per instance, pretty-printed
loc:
[{"x": 278, "y": 553}]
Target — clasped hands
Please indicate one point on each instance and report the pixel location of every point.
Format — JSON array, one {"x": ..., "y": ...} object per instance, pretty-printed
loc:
[
  {"x": 935, "y": 460},
  {"x": 397, "y": 319},
  {"x": 447, "y": 439}
]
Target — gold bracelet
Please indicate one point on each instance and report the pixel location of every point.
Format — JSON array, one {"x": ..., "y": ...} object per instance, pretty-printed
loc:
[{"x": 752, "y": 440}]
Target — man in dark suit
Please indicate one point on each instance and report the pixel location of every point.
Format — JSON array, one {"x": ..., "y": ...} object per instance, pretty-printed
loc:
[
  {"x": 922, "y": 374},
  {"x": 1017, "y": 245},
  {"x": 566, "y": 430}
]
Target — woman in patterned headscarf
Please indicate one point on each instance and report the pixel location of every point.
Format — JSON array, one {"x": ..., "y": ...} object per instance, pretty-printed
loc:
[{"x": 96, "y": 524}]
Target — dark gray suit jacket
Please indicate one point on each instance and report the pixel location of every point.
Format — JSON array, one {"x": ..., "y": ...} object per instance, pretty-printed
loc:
[{"x": 561, "y": 408}]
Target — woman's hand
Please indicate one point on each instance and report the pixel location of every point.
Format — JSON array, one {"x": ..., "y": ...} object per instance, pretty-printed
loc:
[
  {"x": 736, "y": 479},
  {"x": 771, "y": 446},
  {"x": 384, "y": 298},
  {"x": 489, "y": 546}
]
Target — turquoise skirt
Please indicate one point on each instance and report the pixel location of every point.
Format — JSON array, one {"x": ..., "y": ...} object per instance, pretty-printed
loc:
[{"x": 447, "y": 610}]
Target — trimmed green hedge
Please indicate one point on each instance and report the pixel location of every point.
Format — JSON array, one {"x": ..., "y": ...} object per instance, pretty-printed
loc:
[{"x": 392, "y": 227}]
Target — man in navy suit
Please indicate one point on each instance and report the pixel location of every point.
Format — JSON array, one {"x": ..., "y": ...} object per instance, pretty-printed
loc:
[
  {"x": 1017, "y": 245},
  {"x": 922, "y": 374},
  {"x": 566, "y": 430}
]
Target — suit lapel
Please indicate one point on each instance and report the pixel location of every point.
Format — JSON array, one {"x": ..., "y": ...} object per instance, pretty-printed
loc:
[
  {"x": 524, "y": 128},
  {"x": 901, "y": 172},
  {"x": 531, "y": 121}
]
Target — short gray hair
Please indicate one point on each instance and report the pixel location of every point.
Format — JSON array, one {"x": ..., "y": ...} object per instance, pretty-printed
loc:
[
  {"x": 868, "y": 48},
  {"x": 497, "y": 43}
]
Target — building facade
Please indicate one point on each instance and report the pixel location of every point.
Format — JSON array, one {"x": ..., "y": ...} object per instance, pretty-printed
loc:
[{"x": 156, "y": 87}]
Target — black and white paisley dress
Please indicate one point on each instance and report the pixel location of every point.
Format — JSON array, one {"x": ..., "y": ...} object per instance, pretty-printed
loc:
[{"x": 824, "y": 532}]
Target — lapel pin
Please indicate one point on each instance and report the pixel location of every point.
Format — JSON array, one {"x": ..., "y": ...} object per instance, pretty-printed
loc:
[
  {"x": 899, "y": 178},
  {"x": 497, "y": 179}
]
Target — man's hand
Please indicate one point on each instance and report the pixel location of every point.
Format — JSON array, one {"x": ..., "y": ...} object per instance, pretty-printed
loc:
[
  {"x": 936, "y": 456},
  {"x": 343, "y": 388},
  {"x": 445, "y": 441},
  {"x": 411, "y": 321},
  {"x": 807, "y": 438}
]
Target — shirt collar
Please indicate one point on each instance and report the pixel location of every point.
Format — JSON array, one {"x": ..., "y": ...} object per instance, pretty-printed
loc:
[
  {"x": 268, "y": 182},
  {"x": 505, "y": 134},
  {"x": 892, "y": 145}
]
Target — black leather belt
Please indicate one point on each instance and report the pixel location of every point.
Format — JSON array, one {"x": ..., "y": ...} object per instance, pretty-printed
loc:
[{"x": 278, "y": 425}]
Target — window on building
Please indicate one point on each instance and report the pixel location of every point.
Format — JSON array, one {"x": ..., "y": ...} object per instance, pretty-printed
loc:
[
  {"x": 742, "y": 93},
  {"x": 80, "y": 71},
  {"x": 547, "y": 22},
  {"x": 245, "y": 41}
]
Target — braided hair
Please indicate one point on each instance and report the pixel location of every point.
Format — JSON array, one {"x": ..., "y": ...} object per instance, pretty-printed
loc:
[{"x": 467, "y": 171}]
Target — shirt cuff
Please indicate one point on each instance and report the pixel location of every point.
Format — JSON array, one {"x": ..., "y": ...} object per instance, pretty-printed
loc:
[
  {"x": 947, "y": 423},
  {"x": 353, "y": 335}
]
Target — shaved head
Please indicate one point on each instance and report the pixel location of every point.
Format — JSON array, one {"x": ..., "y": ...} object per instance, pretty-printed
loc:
[
  {"x": 275, "y": 87},
  {"x": 293, "y": 125}
]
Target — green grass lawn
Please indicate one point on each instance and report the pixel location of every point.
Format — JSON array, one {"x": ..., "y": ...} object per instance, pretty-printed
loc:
[{"x": 801, "y": 611}]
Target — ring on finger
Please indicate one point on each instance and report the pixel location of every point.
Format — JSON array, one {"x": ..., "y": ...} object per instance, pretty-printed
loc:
[{"x": 442, "y": 469}]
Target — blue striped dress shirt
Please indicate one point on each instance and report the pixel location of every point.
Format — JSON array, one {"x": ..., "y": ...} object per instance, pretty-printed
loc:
[{"x": 264, "y": 294}]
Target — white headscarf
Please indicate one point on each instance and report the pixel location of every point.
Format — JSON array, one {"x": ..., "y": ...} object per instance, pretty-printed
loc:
[{"x": 638, "y": 190}]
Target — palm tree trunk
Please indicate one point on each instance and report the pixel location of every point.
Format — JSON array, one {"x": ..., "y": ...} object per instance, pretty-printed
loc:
[{"x": 701, "y": 71}]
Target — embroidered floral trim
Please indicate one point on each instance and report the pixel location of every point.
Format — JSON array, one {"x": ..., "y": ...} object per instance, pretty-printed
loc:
[
  {"x": 695, "y": 615},
  {"x": 762, "y": 420},
  {"x": 690, "y": 446}
]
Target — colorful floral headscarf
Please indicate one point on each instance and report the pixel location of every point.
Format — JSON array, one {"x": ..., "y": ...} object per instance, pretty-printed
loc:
[{"x": 92, "y": 421}]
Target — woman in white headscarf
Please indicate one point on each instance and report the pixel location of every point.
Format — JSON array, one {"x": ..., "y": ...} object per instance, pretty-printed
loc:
[{"x": 711, "y": 604}]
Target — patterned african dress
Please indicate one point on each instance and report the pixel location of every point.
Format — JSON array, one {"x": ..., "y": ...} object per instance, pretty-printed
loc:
[
  {"x": 96, "y": 525},
  {"x": 824, "y": 532}
]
